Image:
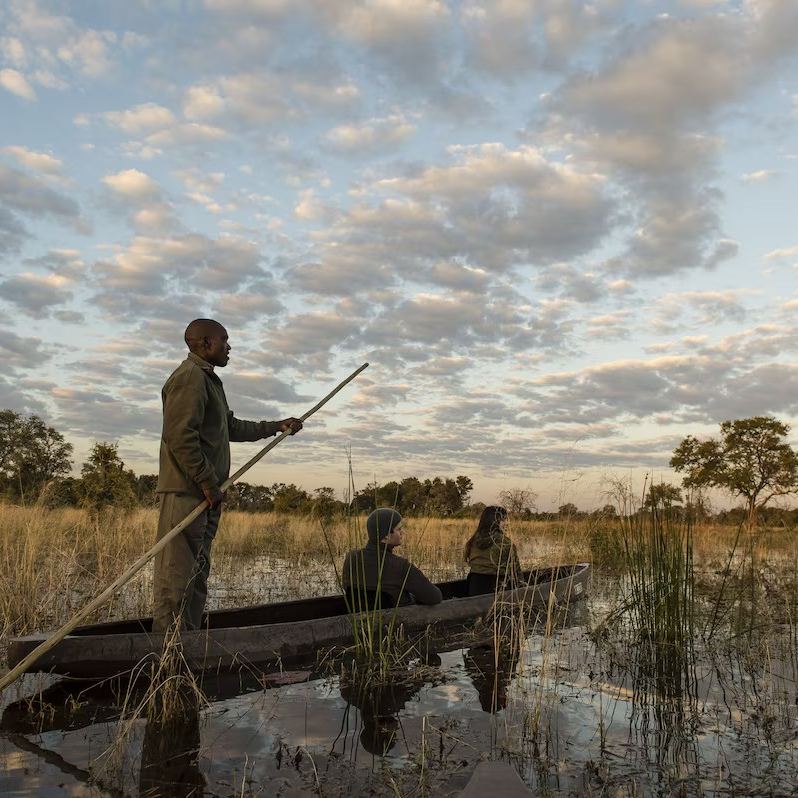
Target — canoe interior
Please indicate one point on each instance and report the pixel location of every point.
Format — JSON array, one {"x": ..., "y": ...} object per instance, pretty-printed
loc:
[{"x": 301, "y": 610}]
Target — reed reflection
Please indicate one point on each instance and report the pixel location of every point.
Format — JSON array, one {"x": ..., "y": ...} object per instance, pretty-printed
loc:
[
  {"x": 491, "y": 667},
  {"x": 170, "y": 753},
  {"x": 380, "y": 697},
  {"x": 666, "y": 713}
]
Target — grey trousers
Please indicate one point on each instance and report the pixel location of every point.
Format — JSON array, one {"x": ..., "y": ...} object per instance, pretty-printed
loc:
[{"x": 180, "y": 579}]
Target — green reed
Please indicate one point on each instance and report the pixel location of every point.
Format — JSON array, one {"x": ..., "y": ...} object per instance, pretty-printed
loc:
[{"x": 656, "y": 615}]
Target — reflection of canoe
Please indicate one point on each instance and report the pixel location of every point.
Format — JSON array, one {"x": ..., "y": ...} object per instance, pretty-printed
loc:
[
  {"x": 72, "y": 704},
  {"x": 268, "y": 632}
]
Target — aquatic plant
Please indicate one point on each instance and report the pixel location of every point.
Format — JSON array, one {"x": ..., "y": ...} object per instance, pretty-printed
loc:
[{"x": 655, "y": 619}]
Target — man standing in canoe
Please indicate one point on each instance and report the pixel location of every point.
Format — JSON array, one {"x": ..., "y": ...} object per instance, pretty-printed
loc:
[
  {"x": 377, "y": 570},
  {"x": 194, "y": 462}
]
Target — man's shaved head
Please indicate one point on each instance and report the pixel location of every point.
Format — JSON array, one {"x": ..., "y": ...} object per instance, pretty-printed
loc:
[
  {"x": 202, "y": 328},
  {"x": 208, "y": 339}
]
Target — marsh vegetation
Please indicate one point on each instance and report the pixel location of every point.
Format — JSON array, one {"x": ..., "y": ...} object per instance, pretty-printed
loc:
[{"x": 677, "y": 676}]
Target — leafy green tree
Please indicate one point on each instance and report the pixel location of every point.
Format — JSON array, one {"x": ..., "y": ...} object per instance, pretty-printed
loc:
[
  {"x": 249, "y": 498},
  {"x": 750, "y": 460},
  {"x": 31, "y": 455},
  {"x": 414, "y": 496},
  {"x": 662, "y": 496},
  {"x": 325, "y": 505},
  {"x": 104, "y": 479},
  {"x": 365, "y": 501},
  {"x": 569, "y": 511},
  {"x": 291, "y": 499},
  {"x": 61, "y": 492},
  {"x": 390, "y": 495},
  {"x": 464, "y": 487},
  {"x": 445, "y": 498},
  {"x": 607, "y": 511},
  {"x": 144, "y": 487},
  {"x": 438, "y": 496}
]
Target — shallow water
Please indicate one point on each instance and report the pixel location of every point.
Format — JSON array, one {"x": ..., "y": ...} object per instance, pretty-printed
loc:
[{"x": 573, "y": 717}]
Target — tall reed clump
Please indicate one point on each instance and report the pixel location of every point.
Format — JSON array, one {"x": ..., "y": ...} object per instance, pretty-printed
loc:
[
  {"x": 658, "y": 548},
  {"x": 656, "y": 615}
]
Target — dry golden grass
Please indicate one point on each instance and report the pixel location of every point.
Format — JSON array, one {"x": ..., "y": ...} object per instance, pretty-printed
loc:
[{"x": 52, "y": 562}]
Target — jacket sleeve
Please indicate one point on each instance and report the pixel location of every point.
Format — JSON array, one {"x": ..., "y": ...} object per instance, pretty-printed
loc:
[
  {"x": 183, "y": 411},
  {"x": 504, "y": 556},
  {"x": 346, "y": 572},
  {"x": 424, "y": 591},
  {"x": 240, "y": 430},
  {"x": 515, "y": 563}
]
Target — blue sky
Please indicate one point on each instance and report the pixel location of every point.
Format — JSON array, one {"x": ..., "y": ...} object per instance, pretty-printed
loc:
[{"x": 562, "y": 233}]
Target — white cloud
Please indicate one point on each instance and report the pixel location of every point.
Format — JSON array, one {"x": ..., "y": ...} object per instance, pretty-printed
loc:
[
  {"x": 89, "y": 52},
  {"x": 670, "y": 80},
  {"x": 17, "y": 351},
  {"x": 509, "y": 37},
  {"x": 306, "y": 333},
  {"x": 188, "y": 133},
  {"x": 29, "y": 195},
  {"x": 760, "y": 176},
  {"x": 133, "y": 184},
  {"x": 13, "y": 52},
  {"x": 266, "y": 8},
  {"x": 310, "y": 207},
  {"x": 709, "y": 307},
  {"x": 165, "y": 269},
  {"x": 376, "y": 135},
  {"x": 779, "y": 254},
  {"x": 142, "y": 201},
  {"x": 201, "y": 103},
  {"x": 41, "y": 162},
  {"x": 16, "y": 83},
  {"x": 142, "y": 119},
  {"x": 35, "y": 294},
  {"x": 405, "y": 34},
  {"x": 322, "y": 93},
  {"x": 60, "y": 47}
]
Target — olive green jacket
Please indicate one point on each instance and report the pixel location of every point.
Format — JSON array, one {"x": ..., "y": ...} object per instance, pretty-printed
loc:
[
  {"x": 499, "y": 558},
  {"x": 197, "y": 429}
]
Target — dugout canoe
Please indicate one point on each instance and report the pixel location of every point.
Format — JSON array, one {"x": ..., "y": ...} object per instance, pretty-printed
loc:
[{"x": 256, "y": 635}]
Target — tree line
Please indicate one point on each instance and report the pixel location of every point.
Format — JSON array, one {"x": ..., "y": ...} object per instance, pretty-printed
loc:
[
  {"x": 36, "y": 464},
  {"x": 750, "y": 460}
]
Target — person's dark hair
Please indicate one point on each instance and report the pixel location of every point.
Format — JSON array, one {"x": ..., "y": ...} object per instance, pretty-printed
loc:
[
  {"x": 488, "y": 529},
  {"x": 199, "y": 329}
]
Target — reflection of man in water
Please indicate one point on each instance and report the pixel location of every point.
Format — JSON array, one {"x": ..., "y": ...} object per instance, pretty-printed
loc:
[
  {"x": 491, "y": 670},
  {"x": 170, "y": 753},
  {"x": 379, "y": 705}
]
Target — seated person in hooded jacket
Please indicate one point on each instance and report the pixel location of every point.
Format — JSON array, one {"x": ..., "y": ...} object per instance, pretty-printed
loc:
[
  {"x": 376, "y": 570},
  {"x": 491, "y": 555}
]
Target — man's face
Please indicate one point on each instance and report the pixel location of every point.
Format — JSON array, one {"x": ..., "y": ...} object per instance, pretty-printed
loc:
[
  {"x": 394, "y": 538},
  {"x": 216, "y": 352}
]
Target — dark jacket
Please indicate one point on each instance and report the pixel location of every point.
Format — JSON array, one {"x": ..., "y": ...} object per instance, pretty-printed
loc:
[
  {"x": 197, "y": 429},
  {"x": 376, "y": 567}
]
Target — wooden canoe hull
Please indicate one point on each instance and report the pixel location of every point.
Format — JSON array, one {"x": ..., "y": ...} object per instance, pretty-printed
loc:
[{"x": 254, "y": 636}]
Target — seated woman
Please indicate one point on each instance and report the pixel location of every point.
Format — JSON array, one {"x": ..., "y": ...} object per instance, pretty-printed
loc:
[
  {"x": 492, "y": 555},
  {"x": 375, "y": 577}
]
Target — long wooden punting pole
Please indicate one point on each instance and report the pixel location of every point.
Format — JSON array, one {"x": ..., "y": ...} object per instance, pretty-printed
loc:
[{"x": 37, "y": 652}]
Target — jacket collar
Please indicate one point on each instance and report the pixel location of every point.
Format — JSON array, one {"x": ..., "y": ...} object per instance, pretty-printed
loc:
[
  {"x": 382, "y": 548},
  {"x": 203, "y": 364}
]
